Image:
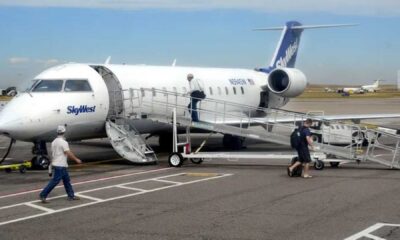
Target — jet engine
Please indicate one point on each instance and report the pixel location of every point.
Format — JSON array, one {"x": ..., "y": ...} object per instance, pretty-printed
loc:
[{"x": 287, "y": 82}]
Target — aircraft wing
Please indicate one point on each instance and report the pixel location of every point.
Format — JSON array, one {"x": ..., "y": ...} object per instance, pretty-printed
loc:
[
  {"x": 339, "y": 117},
  {"x": 290, "y": 119}
]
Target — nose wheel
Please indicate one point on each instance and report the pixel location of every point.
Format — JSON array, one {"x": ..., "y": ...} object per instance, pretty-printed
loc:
[{"x": 40, "y": 162}]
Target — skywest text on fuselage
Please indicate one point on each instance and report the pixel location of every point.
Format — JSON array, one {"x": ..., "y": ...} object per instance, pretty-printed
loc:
[{"x": 80, "y": 109}]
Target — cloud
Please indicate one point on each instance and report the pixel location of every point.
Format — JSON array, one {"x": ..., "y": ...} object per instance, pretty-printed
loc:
[
  {"x": 48, "y": 62},
  {"x": 25, "y": 60},
  {"x": 18, "y": 60},
  {"x": 362, "y": 7}
]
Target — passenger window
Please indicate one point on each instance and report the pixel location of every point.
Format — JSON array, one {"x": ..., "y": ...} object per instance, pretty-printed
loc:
[
  {"x": 241, "y": 88},
  {"x": 49, "y": 86},
  {"x": 153, "y": 90},
  {"x": 77, "y": 86},
  {"x": 226, "y": 91},
  {"x": 234, "y": 90},
  {"x": 219, "y": 91},
  {"x": 211, "y": 92}
]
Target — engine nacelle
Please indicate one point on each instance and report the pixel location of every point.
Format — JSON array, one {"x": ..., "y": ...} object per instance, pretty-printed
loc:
[{"x": 287, "y": 82}]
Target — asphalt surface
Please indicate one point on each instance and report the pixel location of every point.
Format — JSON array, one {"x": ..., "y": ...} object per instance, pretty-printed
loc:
[{"x": 219, "y": 199}]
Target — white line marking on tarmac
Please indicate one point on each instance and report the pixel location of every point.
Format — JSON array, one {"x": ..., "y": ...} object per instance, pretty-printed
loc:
[
  {"x": 48, "y": 211},
  {"x": 89, "y": 181},
  {"x": 89, "y": 197},
  {"x": 167, "y": 181},
  {"x": 45, "y": 209},
  {"x": 131, "y": 188},
  {"x": 367, "y": 232}
]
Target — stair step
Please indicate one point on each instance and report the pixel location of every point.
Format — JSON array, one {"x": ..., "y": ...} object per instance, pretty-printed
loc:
[{"x": 128, "y": 143}]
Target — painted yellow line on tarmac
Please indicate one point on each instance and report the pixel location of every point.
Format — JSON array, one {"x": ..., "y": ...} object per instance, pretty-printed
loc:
[
  {"x": 95, "y": 163},
  {"x": 201, "y": 174}
]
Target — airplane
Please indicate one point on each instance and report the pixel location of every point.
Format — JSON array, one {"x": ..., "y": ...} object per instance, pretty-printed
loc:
[
  {"x": 79, "y": 95},
  {"x": 365, "y": 88},
  {"x": 372, "y": 88}
]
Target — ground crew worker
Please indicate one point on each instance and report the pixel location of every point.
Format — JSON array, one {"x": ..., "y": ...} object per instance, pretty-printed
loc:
[
  {"x": 60, "y": 153},
  {"x": 303, "y": 151},
  {"x": 196, "y": 92}
]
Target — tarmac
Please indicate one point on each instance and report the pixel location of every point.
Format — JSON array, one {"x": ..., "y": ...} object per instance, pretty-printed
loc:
[{"x": 218, "y": 199}]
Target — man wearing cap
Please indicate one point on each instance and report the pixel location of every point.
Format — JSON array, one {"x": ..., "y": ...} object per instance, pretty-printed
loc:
[
  {"x": 196, "y": 92},
  {"x": 60, "y": 153}
]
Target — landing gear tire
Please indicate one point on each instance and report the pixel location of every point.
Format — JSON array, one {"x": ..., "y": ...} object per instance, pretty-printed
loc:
[
  {"x": 175, "y": 160},
  {"x": 40, "y": 162},
  {"x": 196, "y": 160},
  {"x": 358, "y": 138},
  {"x": 22, "y": 169},
  {"x": 319, "y": 165},
  {"x": 334, "y": 164},
  {"x": 165, "y": 142},
  {"x": 232, "y": 142}
]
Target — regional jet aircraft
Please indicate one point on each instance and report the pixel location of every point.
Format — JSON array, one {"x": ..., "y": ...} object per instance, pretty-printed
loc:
[
  {"x": 79, "y": 95},
  {"x": 365, "y": 88}
]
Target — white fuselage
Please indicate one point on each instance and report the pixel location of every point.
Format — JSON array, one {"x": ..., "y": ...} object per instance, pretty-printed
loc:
[{"x": 33, "y": 116}]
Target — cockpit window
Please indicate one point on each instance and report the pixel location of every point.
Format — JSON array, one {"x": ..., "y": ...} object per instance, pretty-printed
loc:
[
  {"x": 34, "y": 82},
  {"x": 48, "y": 86},
  {"x": 77, "y": 86}
]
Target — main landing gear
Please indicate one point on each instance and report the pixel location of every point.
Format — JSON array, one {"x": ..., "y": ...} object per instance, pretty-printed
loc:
[
  {"x": 233, "y": 142},
  {"x": 41, "y": 160}
]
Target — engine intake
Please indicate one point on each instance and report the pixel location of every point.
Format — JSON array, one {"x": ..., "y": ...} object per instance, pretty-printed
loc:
[{"x": 287, "y": 82}]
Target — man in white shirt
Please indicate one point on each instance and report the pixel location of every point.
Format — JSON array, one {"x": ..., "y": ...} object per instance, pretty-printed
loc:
[
  {"x": 196, "y": 92},
  {"x": 60, "y": 154}
]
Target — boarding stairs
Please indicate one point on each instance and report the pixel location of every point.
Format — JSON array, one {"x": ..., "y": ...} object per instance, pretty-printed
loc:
[
  {"x": 128, "y": 142},
  {"x": 264, "y": 124}
]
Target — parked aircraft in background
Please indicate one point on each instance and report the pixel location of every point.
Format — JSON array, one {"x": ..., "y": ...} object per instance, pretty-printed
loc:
[
  {"x": 363, "y": 89},
  {"x": 11, "y": 92},
  {"x": 372, "y": 88}
]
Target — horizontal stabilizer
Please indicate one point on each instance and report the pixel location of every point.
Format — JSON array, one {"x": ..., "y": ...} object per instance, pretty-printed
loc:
[{"x": 307, "y": 27}]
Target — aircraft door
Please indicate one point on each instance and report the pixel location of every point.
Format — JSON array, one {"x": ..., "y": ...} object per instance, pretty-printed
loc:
[{"x": 116, "y": 103}]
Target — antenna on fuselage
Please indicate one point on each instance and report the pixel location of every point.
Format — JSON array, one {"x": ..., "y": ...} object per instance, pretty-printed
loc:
[{"x": 108, "y": 60}]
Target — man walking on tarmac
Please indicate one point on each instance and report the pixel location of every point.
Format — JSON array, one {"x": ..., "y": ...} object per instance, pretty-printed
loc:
[
  {"x": 302, "y": 150},
  {"x": 60, "y": 154}
]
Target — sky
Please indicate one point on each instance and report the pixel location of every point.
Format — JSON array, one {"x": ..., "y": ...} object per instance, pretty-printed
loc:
[{"x": 38, "y": 34}]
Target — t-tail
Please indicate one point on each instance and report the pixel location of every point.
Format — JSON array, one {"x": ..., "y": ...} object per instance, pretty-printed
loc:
[{"x": 286, "y": 52}]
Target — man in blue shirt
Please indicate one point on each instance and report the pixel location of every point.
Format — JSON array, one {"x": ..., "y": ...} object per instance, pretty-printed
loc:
[{"x": 303, "y": 151}]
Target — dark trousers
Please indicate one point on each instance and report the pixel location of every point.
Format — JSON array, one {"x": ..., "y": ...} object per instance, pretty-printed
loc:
[
  {"x": 193, "y": 109},
  {"x": 60, "y": 173}
]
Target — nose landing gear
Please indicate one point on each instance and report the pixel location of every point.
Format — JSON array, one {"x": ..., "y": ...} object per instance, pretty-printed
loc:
[{"x": 41, "y": 160}]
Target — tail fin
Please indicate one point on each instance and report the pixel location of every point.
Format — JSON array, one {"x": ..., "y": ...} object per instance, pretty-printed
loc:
[{"x": 286, "y": 52}]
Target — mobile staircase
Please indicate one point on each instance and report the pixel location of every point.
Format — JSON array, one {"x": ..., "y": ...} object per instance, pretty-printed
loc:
[
  {"x": 124, "y": 137},
  {"x": 264, "y": 124}
]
